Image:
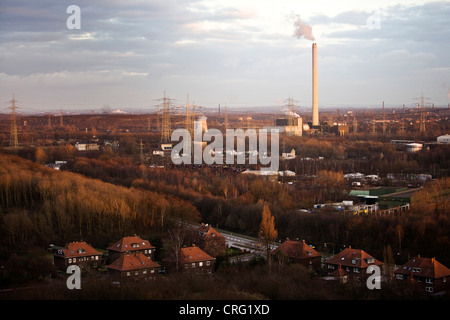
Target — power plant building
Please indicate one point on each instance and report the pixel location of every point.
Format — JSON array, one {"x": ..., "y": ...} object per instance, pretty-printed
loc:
[{"x": 290, "y": 126}]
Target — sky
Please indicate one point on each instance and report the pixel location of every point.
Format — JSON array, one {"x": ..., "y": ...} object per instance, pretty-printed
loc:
[{"x": 237, "y": 54}]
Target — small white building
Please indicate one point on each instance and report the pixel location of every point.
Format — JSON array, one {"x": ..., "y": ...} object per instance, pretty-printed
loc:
[
  {"x": 288, "y": 155},
  {"x": 87, "y": 146},
  {"x": 443, "y": 139}
]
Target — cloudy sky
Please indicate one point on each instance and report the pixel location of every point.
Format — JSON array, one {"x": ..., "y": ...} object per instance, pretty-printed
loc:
[{"x": 245, "y": 53}]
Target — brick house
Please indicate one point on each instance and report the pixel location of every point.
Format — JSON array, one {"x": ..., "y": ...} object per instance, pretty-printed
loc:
[
  {"x": 135, "y": 265},
  {"x": 132, "y": 244},
  {"x": 210, "y": 240},
  {"x": 194, "y": 259},
  {"x": 351, "y": 264},
  {"x": 77, "y": 253},
  {"x": 424, "y": 274},
  {"x": 297, "y": 252}
]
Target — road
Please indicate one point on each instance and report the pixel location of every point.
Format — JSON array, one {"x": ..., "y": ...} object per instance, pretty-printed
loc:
[{"x": 251, "y": 245}]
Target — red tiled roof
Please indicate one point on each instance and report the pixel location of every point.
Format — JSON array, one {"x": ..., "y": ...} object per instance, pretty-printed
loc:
[
  {"x": 353, "y": 258},
  {"x": 424, "y": 267},
  {"x": 296, "y": 250},
  {"x": 194, "y": 254},
  {"x": 77, "y": 249},
  {"x": 133, "y": 261},
  {"x": 208, "y": 231},
  {"x": 130, "y": 244}
]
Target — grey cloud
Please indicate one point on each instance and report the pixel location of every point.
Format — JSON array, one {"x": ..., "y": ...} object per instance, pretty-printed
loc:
[{"x": 422, "y": 23}]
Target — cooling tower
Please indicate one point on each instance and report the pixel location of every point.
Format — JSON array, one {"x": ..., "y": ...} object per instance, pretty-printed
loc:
[{"x": 315, "y": 102}]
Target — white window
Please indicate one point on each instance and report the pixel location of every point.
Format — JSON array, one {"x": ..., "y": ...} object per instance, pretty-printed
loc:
[
  {"x": 193, "y": 264},
  {"x": 144, "y": 271},
  {"x": 128, "y": 273},
  {"x": 356, "y": 270},
  {"x": 429, "y": 289},
  {"x": 429, "y": 280},
  {"x": 208, "y": 263},
  {"x": 70, "y": 260},
  {"x": 200, "y": 264},
  {"x": 399, "y": 276}
]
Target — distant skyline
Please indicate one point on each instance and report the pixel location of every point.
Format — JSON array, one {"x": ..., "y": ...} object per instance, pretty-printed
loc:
[{"x": 238, "y": 54}]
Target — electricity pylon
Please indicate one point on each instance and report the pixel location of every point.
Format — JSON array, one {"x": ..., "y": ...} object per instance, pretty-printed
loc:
[
  {"x": 422, "y": 115},
  {"x": 188, "y": 121},
  {"x": 13, "y": 139},
  {"x": 166, "y": 121}
]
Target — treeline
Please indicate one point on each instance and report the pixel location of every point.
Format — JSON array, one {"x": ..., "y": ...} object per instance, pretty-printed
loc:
[
  {"x": 424, "y": 229},
  {"x": 234, "y": 201},
  {"x": 39, "y": 206},
  {"x": 368, "y": 157}
]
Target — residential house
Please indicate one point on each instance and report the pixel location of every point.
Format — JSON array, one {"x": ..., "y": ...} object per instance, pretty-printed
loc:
[
  {"x": 351, "y": 264},
  {"x": 298, "y": 252},
  {"x": 77, "y": 253},
  {"x": 193, "y": 259},
  {"x": 132, "y": 244},
  {"x": 210, "y": 240},
  {"x": 424, "y": 274},
  {"x": 135, "y": 265}
]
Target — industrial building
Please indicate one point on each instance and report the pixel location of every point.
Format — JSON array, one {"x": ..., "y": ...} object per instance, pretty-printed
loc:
[
  {"x": 290, "y": 126},
  {"x": 336, "y": 128}
]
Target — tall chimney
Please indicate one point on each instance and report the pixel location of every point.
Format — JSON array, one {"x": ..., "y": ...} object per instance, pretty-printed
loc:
[{"x": 315, "y": 102}]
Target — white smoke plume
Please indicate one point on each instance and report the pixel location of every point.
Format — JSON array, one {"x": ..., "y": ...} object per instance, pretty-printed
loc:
[
  {"x": 303, "y": 30},
  {"x": 291, "y": 113}
]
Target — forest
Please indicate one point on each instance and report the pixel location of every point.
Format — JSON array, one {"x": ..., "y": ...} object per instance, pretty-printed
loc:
[
  {"x": 100, "y": 196},
  {"x": 40, "y": 206}
]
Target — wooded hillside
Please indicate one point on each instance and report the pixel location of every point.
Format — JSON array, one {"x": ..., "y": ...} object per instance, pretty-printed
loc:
[{"x": 40, "y": 206}]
